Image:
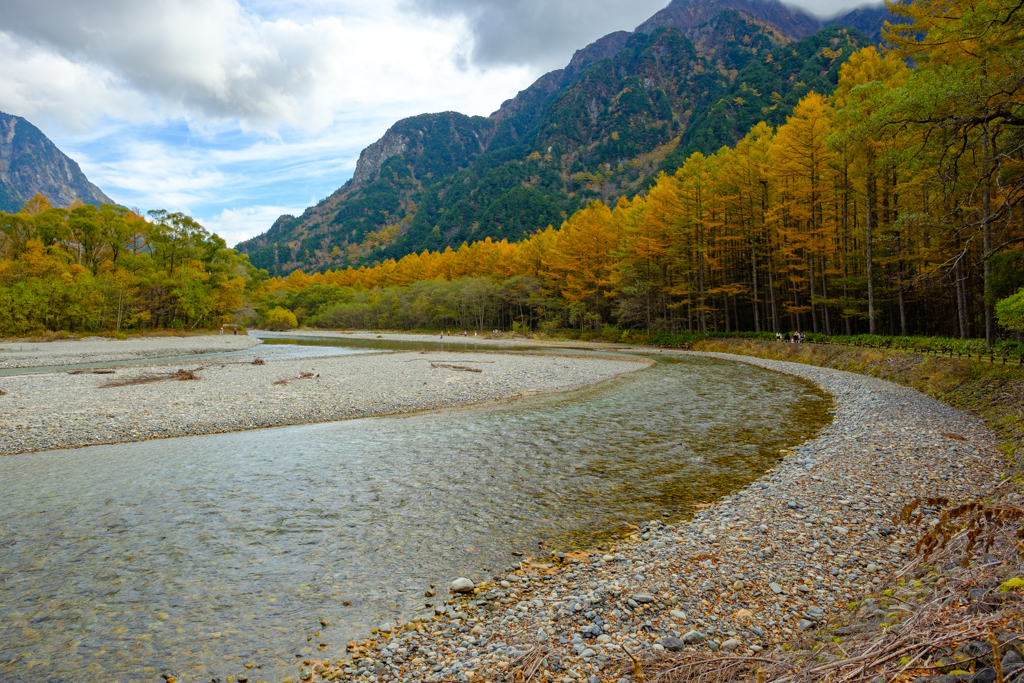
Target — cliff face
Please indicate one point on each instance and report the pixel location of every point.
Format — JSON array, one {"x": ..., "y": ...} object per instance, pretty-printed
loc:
[{"x": 31, "y": 163}]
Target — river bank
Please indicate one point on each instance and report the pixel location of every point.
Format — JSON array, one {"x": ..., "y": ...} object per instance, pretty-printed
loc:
[
  {"x": 750, "y": 574},
  {"x": 60, "y": 410},
  {"x": 101, "y": 350}
]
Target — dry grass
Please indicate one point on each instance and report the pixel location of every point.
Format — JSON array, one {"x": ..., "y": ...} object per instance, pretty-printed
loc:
[{"x": 153, "y": 377}]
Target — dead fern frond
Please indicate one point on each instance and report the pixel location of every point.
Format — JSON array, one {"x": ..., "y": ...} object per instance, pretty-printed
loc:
[{"x": 980, "y": 524}]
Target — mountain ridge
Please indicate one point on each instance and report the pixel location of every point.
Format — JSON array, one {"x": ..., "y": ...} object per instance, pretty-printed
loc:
[
  {"x": 364, "y": 219},
  {"x": 31, "y": 163}
]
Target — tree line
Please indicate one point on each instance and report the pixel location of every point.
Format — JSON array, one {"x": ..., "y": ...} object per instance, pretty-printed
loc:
[
  {"x": 90, "y": 268},
  {"x": 891, "y": 207}
]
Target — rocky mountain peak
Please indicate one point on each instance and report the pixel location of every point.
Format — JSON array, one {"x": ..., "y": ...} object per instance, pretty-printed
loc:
[{"x": 31, "y": 163}]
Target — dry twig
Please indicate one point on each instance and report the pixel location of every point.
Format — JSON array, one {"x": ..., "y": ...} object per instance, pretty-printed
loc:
[{"x": 527, "y": 666}]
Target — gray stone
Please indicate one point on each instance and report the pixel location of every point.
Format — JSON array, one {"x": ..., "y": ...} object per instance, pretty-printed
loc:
[
  {"x": 463, "y": 585},
  {"x": 644, "y": 598},
  {"x": 671, "y": 644},
  {"x": 776, "y": 588},
  {"x": 1011, "y": 658},
  {"x": 804, "y": 625},
  {"x": 986, "y": 675},
  {"x": 693, "y": 637},
  {"x": 731, "y": 645},
  {"x": 677, "y": 614}
]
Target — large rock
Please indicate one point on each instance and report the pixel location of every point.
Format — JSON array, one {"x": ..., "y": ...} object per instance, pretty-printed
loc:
[
  {"x": 672, "y": 644},
  {"x": 462, "y": 585},
  {"x": 693, "y": 637}
]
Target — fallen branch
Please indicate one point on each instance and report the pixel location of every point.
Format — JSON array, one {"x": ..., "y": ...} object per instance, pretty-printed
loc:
[
  {"x": 152, "y": 377},
  {"x": 463, "y": 368}
]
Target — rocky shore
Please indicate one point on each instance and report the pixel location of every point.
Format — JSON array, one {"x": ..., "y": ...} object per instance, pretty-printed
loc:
[
  {"x": 97, "y": 350},
  {"x": 61, "y": 410},
  {"x": 752, "y": 573}
]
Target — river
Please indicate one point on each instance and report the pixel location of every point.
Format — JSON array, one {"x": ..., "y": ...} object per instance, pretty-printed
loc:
[{"x": 202, "y": 555}]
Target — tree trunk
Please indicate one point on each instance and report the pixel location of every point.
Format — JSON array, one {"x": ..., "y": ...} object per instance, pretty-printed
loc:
[
  {"x": 961, "y": 296},
  {"x": 986, "y": 221},
  {"x": 869, "y": 217}
]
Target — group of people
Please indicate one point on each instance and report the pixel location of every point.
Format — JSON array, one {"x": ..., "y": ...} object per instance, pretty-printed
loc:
[
  {"x": 461, "y": 334},
  {"x": 795, "y": 338}
]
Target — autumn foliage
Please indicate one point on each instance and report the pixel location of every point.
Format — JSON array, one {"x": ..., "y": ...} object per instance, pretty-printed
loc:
[
  {"x": 893, "y": 206},
  {"x": 108, "y": 268}
]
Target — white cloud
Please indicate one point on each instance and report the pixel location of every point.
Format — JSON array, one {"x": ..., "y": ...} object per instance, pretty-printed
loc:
[
  {"x": 214, "y": 60},
  {"x": 231, "y": 110},
  {"x": 238, "y": 225}
]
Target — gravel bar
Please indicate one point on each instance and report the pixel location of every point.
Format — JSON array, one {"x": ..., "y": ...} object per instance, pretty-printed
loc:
[
  {"x": 99, "y": 350},
  {"x": 60, "y": 410},
  {"x": 746, "y": 574}
]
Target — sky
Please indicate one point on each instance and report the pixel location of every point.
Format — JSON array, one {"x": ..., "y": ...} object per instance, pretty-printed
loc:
[{"x": 238, "y": 111}]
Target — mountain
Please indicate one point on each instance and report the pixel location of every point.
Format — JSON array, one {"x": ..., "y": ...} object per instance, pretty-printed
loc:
[
  {"x": 694, "y": 77},
  {"x": 31, "y": 163}
]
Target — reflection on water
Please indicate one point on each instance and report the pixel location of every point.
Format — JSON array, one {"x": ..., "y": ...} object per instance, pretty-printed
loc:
[{"x": 201, "y": 555}]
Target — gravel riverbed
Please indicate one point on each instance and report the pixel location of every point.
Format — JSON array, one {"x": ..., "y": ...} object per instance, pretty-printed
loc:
[
  {"x": 60, "y": 410},
  {"x": 744, "y": 575},
  {"x": 96, "y": 350}
]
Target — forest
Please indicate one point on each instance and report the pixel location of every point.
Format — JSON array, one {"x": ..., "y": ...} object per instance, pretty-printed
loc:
[
  {"x": 891, "y": 207},
  {"x": 91, "y": 269}
]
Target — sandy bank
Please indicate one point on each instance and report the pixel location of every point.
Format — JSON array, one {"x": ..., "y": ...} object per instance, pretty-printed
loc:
[{"x": 59, "y": 410}]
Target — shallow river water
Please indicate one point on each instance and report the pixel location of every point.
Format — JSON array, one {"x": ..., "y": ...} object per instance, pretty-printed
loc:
[{"x": 201, "y": 555}]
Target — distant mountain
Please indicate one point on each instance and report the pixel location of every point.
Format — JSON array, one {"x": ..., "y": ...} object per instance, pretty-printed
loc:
[
  {"x": 31, "y": 163},
  {"x": 694, "y": 77}
]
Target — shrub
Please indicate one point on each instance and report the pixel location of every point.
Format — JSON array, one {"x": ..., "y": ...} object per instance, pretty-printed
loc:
[{"x": 280, "y": 319}]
